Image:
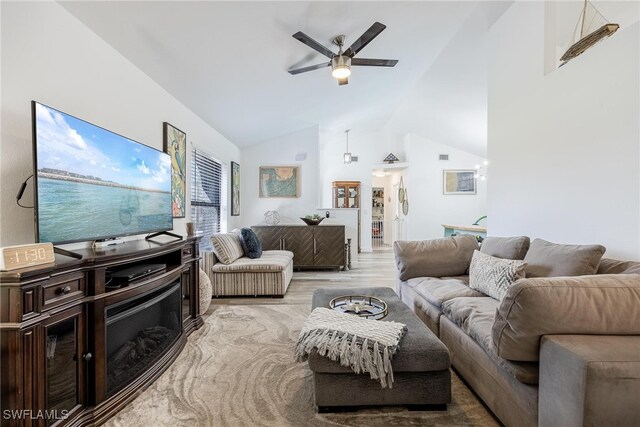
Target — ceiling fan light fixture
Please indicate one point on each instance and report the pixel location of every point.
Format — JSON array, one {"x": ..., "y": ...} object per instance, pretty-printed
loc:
[{"x": 340, "y": 67}]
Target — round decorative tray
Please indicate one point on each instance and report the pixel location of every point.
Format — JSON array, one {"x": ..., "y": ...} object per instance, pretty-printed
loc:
[{"x": 360, "y": 305}]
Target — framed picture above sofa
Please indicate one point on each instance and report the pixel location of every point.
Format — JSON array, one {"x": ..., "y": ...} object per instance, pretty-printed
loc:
[
  {"x": 459, "y": 181},
  {"x": 279, "y": 181}
]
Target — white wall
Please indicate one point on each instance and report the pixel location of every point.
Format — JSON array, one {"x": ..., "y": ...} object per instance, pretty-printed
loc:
[
  {"x": 564, "y": 147},
  {"x": 281, "y": 152},
  {"x": 429, "y": 208},
  {"x": 371, "y": 148},
  {"x": 49, "y": 56}
]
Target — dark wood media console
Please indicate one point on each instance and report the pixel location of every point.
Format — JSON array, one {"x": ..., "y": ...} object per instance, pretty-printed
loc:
[{"x": 74, "y": 349}]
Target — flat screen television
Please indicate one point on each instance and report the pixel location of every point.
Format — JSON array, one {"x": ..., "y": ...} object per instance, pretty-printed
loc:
[{"x": 93, "y": 184}]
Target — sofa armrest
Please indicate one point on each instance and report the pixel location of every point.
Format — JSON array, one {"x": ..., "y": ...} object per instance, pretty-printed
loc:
[
  {"x": 591, "y": 305},
  {"x": 209, "y": 259},
  {"x": 588, "y": 380},
  {"x": 450, "y": 256}
]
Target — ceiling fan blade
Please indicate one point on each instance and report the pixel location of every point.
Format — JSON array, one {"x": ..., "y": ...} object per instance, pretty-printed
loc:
[
  {"x": 374, "y": 62},
  {"x": 342, "y": 82},
  {"x": 365, "y": 39},
  {"x": 302, "y": 37},
  {"x": 309, "y": 68}
]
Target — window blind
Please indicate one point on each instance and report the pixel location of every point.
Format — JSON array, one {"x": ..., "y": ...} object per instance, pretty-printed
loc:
[{"x": 207, "y": 196}]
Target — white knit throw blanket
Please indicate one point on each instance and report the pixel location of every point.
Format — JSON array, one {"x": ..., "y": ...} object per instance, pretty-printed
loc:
[{"x": 363, "y": 345}]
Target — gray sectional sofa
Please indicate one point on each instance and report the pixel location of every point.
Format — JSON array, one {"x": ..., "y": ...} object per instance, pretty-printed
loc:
[{"x": 560, "y": 349}]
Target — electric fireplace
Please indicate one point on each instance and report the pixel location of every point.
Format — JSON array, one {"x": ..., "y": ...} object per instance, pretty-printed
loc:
[{"x": 139, "y": 331}]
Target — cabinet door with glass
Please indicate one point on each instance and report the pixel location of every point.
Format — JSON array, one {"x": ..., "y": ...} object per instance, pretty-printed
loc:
[
  {"x": 346, "y": 194},
  {"x": 65, "y": 364}
]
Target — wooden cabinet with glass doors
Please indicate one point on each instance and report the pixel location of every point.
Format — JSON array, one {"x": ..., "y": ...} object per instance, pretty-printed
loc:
[{"x": 346, "y": 194}]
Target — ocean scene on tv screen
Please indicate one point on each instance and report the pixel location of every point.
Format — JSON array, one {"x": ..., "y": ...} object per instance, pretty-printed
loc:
[{"x": 93, "y": 183}]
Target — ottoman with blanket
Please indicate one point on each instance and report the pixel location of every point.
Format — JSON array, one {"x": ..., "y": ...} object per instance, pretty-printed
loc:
[{"x": 420, "y": 367}]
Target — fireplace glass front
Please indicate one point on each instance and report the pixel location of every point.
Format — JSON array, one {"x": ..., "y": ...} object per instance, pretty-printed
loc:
[{"x": 139, "y": 331}]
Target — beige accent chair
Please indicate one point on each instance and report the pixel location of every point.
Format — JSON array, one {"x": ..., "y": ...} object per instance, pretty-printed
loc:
[{"x": 268, "y": 275}]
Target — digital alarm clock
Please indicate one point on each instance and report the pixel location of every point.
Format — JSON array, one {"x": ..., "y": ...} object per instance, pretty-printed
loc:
[{"x": 14, "y": 257}]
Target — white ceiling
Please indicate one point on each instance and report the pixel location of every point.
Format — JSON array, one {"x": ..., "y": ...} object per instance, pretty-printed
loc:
[
  {"x": 227, "y": 61},
  {"x": 449, "y": 103}
]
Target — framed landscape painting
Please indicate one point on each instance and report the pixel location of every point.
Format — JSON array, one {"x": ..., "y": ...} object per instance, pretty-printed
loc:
[
  {"x": 235, "y": 189},
  {"x": 459, "y": 181},
  {"x": 175, "y": 143},
  {"x": 279, "y": 181}
]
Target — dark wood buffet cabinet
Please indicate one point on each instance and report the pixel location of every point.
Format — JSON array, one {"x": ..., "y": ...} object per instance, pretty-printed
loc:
[
  {"x": 313, "y": 246},
  {"x": 75, "y": 348}
]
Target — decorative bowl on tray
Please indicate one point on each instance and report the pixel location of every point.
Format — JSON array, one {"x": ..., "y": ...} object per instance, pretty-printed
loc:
[
  {"x": 312, "y": 219},
  {"x": 360, "y": 305}
]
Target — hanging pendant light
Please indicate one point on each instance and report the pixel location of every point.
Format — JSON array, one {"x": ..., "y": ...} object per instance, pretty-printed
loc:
[{"x": 347, "y": 154}]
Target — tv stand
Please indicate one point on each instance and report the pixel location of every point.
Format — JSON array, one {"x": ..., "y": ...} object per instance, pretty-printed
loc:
[
  {"x": 61, "y": 327},
  {"x": 65, "y": 252},
  {"x": 160, "y": 233}
]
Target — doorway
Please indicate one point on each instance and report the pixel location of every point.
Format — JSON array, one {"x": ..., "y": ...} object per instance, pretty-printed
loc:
[{"x": 377, "y": 218}]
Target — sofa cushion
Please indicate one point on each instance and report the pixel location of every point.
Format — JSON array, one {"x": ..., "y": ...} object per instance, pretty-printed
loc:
[
  {"x": 612, "y": 266},
  {"x": 437, "y": 290},
  {"x": 250, "y": 243},
  {"x": 227, "y": 247},
  {"x": 475, "y": 317},
  {"x": 275, "y": 252},
  {"x": 604, "y": 304},
  {"x": 546, "y": 259},
  {"x": 506, "y": 247},
  {"x": 493, "y": 276},
  {"x": 464, "y": 310},
  {"x": 268, "y": 262},
  {"x": 434, "y": 258}
]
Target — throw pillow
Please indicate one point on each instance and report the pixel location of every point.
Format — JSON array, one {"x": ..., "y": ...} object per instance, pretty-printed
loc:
[
  {"x": 251, "y": 244},
  {"x": 493, "y": 276},
  {"x": 227, "y": 247},
  {"x": 505, "y": 247},
  {"x": 546, "y": 259},
  {"x": 612, "y": 266},
  {"x": 434, "y": 258}
]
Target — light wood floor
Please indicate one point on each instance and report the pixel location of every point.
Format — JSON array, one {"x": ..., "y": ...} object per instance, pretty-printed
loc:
[{"x": 373, "y": 269}]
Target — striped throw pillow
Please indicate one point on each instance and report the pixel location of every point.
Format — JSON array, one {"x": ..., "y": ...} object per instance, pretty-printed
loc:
[
  {"x": 493, "y": 276},
  {"x": 227, "y": 247}
]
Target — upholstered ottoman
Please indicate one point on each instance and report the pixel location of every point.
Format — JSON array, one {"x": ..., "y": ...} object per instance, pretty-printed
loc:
[{"x": 420, "y": 367}]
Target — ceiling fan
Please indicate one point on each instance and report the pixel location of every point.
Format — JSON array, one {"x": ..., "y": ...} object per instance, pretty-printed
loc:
[{"x": 342, "y": 61}]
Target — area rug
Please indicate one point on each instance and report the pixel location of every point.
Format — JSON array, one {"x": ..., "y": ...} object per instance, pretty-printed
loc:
[{"x": 238, "y": 370}]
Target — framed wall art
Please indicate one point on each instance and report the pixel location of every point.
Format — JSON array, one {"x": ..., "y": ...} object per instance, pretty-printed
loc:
[
  {"x": 279, "y": 181},
  {"x": 459, "y": 181},
  {"x": 235, "y": 189},
  {"x": 175, "y": 143}
]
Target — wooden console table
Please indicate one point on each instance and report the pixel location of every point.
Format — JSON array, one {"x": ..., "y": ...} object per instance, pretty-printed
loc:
[
  {"x": 313, "y": 246},
  {"x": 55, "y": 331}
]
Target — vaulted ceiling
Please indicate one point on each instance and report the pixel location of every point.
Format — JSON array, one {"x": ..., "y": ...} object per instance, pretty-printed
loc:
[{"x": 228, "y": 61}]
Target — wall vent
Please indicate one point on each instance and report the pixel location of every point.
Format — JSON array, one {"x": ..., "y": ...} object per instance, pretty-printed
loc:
[
  {"x": 444, "y": 157},
  {"x": 354, "y": 158}
]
